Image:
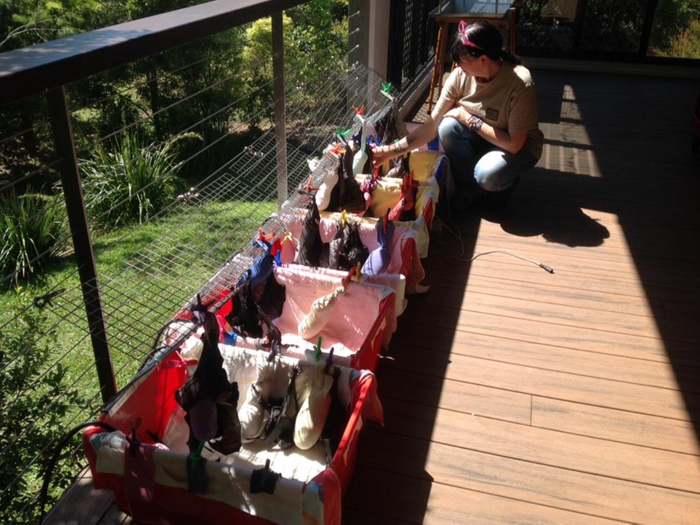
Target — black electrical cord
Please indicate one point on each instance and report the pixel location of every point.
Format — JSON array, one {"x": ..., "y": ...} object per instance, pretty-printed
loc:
[{"x": 57, "y": 453}]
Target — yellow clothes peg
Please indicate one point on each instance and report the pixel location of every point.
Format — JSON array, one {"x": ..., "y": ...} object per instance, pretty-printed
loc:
[{"x": 343, "y": 218}]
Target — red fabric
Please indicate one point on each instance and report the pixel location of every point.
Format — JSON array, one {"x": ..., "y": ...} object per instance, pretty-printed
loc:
[
  {"x": 332, "y": 496},
  {"x": 153, "y": 401}
]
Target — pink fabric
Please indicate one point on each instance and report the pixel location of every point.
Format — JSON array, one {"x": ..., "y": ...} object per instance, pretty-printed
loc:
[
  {"x": 386, "y": 280},
  {"x": 139, "y": 472},
  {"x": 368, "y": 235},
  {"x": 354, "y": 313}
]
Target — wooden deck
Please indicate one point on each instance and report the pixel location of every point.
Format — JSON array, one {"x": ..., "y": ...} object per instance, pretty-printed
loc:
[{"x": 516, "y": 396}]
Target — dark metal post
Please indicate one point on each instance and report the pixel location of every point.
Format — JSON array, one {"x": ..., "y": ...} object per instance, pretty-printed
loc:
[
  {"x": 578, "y": 26},
  {"x": 80, "y": 231},
  {"x": 648, "y": 24},
  {"x": 280, "y": 120},
  {"x": 396, "y": 42}
]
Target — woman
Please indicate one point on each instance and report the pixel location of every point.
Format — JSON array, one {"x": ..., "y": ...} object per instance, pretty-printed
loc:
[{"x": 486, "y": 117}]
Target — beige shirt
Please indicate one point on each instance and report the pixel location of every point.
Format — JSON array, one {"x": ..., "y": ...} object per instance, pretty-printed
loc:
[{"x": 508, "y": 102}]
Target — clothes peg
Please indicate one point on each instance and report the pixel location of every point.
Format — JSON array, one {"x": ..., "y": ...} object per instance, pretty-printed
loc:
[
  {"x": 338, "y": 148},
  {"x": 266, "y": 238},
  {"x": 358, "y": 271},
  {"x": 349, "y": 276},
  {"x": 317, "y": 350},
  {"x": 386, "y": 91},
  {"x": 385, "y": 222},
  {"x": 287, "y": 238},
  {"x": 359, "y": 112},
  {"x": 343, "y": 134},
  {"x": 263, "y": 480},
  {"x": 197, "y": 480},
  {"x": 309, "y": 185},
  {"x": 329, "y": 361},
  {"x": 194, "y": 458},
  {"x": 343, "y": 218},
  {"x": 274, "y": 350},
  {"x": 134, "y": 442},
  {"x": 199, "y": 309}
]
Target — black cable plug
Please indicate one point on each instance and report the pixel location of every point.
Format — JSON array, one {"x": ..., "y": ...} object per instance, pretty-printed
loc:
[{"x": 546, "y": 268}]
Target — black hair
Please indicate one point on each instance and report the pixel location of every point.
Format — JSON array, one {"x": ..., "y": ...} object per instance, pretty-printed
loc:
[{"x": 488, "y": 38}]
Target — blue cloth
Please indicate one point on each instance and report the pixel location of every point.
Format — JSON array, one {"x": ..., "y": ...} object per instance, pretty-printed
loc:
[
  {"x": 378, "y": 261},
  {"x": 230, "y": 338}
]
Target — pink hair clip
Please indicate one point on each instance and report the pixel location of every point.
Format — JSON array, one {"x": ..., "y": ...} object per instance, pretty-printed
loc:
[{"x": 462, "y": 32}]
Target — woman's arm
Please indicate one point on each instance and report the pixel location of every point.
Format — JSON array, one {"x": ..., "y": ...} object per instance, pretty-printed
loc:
[
  {"x": 511, "y": 142},
  {"x": 426, "y": 131},
  {"x": 419, "y": 136}
]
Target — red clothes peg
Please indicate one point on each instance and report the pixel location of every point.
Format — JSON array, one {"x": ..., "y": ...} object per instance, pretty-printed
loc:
[
  {"x": 262, "y": 236},
  {"x": 349, "y": 276},
  {"x": 309, "y": 185}
]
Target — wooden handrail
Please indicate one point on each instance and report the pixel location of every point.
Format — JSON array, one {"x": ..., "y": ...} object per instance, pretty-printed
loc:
[{"x": 32, "y": 70}]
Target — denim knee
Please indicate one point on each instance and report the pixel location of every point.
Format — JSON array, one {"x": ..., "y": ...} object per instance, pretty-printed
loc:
[
  {"x": 491, "y": 170},
  {"x": 449, "y": 130}
]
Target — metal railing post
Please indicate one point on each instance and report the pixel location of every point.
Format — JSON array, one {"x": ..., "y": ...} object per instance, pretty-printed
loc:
[
  {"x": 647, "y": 27},
  {"x": 80, "y": 232},
  {"x": 280, "y": 121}
]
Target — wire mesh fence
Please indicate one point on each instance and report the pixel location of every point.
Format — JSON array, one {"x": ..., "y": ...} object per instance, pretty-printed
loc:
[
  {"x": 178, "y": 175},
  {"x": 608, "y": 28}
]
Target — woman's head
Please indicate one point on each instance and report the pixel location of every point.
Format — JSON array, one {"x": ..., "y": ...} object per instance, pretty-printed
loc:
[{"x": 478, "y": 39}]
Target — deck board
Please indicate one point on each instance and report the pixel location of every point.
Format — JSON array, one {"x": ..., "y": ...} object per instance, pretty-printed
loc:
[{"x": 606, "y": 350}]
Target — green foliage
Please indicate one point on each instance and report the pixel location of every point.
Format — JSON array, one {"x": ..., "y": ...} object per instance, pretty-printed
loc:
[
  {"x": 34, "y": 400},
  {"x": 315, "y": 41},
  {"x": 675, "y": 29},
  {"x": 30, "y": 229},
  {"x": 130, "y": 184},
  {"x": 28, "y": 22},
  {"x": 685, "y": 44}
]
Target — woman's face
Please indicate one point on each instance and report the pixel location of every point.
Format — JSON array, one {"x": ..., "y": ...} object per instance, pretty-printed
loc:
[{"x": 471, "y": 65}]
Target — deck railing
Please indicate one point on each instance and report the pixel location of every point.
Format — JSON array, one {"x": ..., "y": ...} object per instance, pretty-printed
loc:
[{"x": 180, "y": 107}]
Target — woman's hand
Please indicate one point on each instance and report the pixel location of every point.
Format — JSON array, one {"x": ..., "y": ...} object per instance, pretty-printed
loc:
[
  {"x": 381, "y": 154},
  {"x": 460, "y": 114}
]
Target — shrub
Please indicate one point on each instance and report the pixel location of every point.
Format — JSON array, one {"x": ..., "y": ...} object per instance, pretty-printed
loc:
[
  {"x": 686, "y": 44},
  {"x": 130, "y": 184},
  {"x": 31, "y": 227},
  {"x": 31, "y": 417}
]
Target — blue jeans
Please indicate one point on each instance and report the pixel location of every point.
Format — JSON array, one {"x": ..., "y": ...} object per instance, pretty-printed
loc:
[{"x": 477, "y": 164}]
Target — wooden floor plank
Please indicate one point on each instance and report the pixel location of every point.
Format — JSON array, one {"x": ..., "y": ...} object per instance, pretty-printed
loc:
[
  {"x": 521, "y": 480},
  {"x": 560, "y": 258},
  {"x": 382, "y": 494},
  {"x": 544, "y": 293},
  {"x": 469, "y": 398},
  {"x": 507, "y": 268},
  {"x": 563, "y": 314},
  {"x": 81, "y": 503},
  {"x": 591, "y": 364},
  {"x": 545, "y": 383},
  {"x": 626, "y": 427},
  {"x": 593, "y": 456},
  {"x": 554, "y": 334}
]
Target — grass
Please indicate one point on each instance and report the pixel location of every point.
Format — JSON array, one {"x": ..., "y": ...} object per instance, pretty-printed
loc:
[{"x": 146, "y": 274}]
